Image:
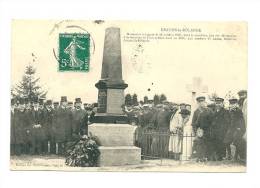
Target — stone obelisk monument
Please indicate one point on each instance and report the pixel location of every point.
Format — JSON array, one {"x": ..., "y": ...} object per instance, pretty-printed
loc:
[
  {"x": 110, "y": 123},
  {"x": 111, "y": 86}
]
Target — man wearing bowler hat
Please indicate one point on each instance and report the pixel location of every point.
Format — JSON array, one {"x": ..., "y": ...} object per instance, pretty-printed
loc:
[
  {"x": 62, "y": 126},
  {"x": 49, "y": 112},
  {"x": 37, "y": 126},
  {"x": 79, "y": 120}
]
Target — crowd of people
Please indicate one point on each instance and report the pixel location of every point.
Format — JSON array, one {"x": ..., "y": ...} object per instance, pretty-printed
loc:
[
  {"x": 45, "y": 127},
  {"x": 41, "y": 127},
  {"x": 167, "y": 129}
]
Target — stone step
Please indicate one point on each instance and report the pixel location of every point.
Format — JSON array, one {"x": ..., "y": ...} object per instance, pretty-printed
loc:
[{"x": 119, "y": 155}]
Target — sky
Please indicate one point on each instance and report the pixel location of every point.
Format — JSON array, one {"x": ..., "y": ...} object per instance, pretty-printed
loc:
[{"x": 163, "y": 66}]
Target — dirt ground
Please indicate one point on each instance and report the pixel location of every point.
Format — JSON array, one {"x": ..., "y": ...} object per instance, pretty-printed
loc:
[{"x": 56, "y": 163}]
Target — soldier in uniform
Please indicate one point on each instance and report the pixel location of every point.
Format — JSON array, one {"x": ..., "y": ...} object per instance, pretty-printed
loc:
[
  {"x": 49, "y": 113},
  {"x": 62, "y": 126},
  {"x": 219, "y": 126},
  {"x": 79, "y": 120}
]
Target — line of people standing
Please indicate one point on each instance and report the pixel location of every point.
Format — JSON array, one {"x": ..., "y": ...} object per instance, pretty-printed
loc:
[{"x": 39, "y": 127}]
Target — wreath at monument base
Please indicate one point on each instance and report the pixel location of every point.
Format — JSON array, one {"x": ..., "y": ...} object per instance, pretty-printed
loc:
[{"x": 83, "y": 153}]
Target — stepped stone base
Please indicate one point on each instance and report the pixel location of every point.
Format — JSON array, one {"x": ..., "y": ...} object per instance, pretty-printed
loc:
[{"x": 117, "y": 144}]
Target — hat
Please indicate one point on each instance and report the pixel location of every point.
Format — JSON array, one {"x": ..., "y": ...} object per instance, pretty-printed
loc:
[
  {"x": 85, "y": 104},
  {"x": 26, "y": 100},
  {"x": 233, "y": 101},
  {"x": 70, "y": 102},
  {"x": 184, "y": 112},
  {"x": 242, "y": 92},
  {"x": 63, "y": 99},
  {"x": 41, "y": 101},
  {"x": 182, "y": 104},
  {"x": 78, "y": 100},
  {"x": 200, "y": 98},
  {"x": 49, "y": 102},
  {"x": 219, "y": 99},
  {"x": 146, "y": 106},
  {"x": 55, "y": 103},
  {"x": 159, "y": 105},
  {"x": 21, "y": 101}
]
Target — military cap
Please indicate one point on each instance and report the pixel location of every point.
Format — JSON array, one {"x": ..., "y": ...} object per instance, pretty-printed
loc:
[
  {"x": 182, "y": 104},
  {"x": 242, "y": 92},
  {"x": 200, "y": 98},
  {"x": 85, "y": 104},
  {"x": 55, "y": 103},
  {"x": 70, "y": 102},
  {"x": 219, "y": 99},
  {"x": 233, "y": 101},
  {"x": 78, "y": 100},
  {"x": 49, "y": 102},
  {"x": 184, "y": 112},
  {"x": 63, "y": 99}
]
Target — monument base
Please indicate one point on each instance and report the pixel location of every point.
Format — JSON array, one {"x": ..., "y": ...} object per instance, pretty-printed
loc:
[
  {"x": 117, "y": 144},
  {"x": 119, "y": 155}
]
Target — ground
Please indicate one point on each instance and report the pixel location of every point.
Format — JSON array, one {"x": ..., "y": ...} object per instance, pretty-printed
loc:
[{"x": 53, "y": 162}]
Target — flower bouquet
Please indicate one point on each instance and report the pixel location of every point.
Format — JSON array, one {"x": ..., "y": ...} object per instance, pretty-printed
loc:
[{"x": 84, "y": 152}]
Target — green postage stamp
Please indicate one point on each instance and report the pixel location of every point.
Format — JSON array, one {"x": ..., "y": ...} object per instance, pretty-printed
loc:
[{"x": 74, "y": 52}]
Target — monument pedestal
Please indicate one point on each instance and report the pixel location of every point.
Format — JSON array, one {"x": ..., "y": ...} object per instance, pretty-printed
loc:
[{"x": 117, "y": 144}]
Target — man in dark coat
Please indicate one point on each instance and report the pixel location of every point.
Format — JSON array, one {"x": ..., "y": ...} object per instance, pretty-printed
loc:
[
  {"x": 37, "y": 117},
  {"x": 202, "y": 120},
  {"x": 20, "y": 122},
  {"x": 62, "y": 126},
  {"x": 79, "y": 120},
  {"x": 219, "y": 126},
  {"x": 236, "y": 130},
  {"x": 162, "y": 124},
  {"x": 49, "y": 113}
]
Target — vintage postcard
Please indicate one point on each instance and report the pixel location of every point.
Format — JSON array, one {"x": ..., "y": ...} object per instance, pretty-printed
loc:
[{"x": 101, "y": 95}]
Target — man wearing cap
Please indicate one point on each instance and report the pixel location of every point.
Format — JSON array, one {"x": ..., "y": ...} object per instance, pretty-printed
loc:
[
  {"x": 219, "y": 127},
  {"x": 202, "y": 119},
  {"x": 236, "y": 130},
  {"x": 79, "y": 120},
  {"x": 62, "y": 126}
]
